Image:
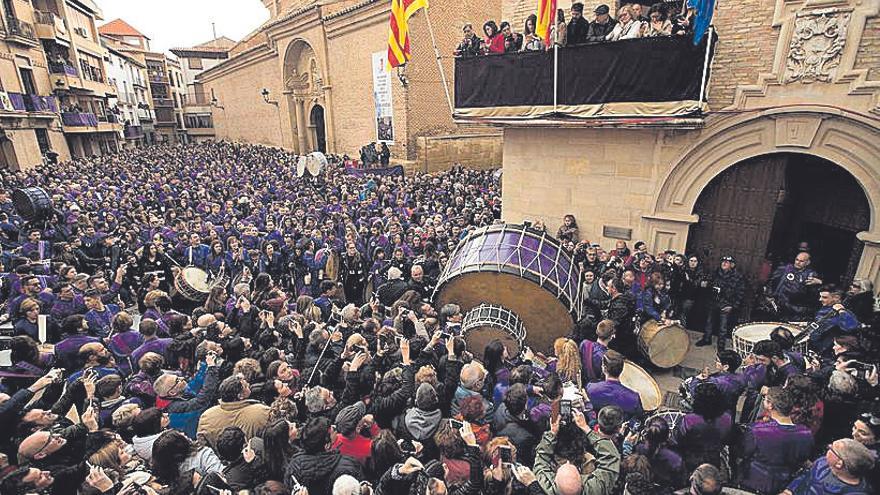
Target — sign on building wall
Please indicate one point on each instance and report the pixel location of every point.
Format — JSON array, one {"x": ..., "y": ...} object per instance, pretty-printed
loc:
[{"x": 382, "y": 99}]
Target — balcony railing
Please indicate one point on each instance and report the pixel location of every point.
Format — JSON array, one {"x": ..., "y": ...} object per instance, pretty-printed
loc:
[
  {"x": 163, "y": 102},
  {"x": 646, "y": 78},
  {"x": 158, "y": 79},
  {"x": 63, "y": 68},
  {"x": 50, "y": 19},
  {"x": 134, "y": 132},
  {"x": 33, "y": 103},
  {"x": 17, "y": 27},
  {"x": 145, "y": 115},
  {"x": 79, "y": 119}
]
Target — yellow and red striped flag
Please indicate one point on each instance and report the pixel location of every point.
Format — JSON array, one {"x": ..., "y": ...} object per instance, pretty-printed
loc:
[
  {"x": 398, "y": 32},
  {"x": 546, "y": 20}
]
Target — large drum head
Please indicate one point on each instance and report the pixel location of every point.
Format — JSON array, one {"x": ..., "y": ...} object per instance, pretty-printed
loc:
[
  {"x": 745, "y": 336},
  {"x": 522, "y": 270},
  {"x": 196, "y": 278},
  {"x": 486, "y": 323},
  {"x": 32, "y": 203},
  {"x": 316, "y": 163},
  {"x": 636, "y": 378},
  {"x": 664, "y": 346}
]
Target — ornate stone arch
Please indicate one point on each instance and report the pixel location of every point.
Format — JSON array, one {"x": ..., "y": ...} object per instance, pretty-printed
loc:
[
  {"x": 304, "y": 86},
  {"x": 850, "y": 140}
]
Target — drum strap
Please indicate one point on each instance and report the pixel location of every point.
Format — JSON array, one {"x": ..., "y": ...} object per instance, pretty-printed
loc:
[{"x": 590, "y": 372}]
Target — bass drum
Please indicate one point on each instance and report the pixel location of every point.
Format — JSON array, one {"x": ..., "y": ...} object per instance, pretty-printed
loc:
[
  {"x": 316, "y": 162},
  {"x": 192, "y": 284},
  {"x": 745, "y": 336},
  {"x": 665, "y": 346},
  {"x": 488, "y": 322},
  {"x": 636, "y": 378},
  {"x": 301, "y": 166},
  {"x": 518, "y": 268},
  {"x": 32, "y": 204}
]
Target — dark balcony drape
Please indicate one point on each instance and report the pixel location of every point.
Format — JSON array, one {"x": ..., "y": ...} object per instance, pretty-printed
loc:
[{"x": 648, "y": 76}]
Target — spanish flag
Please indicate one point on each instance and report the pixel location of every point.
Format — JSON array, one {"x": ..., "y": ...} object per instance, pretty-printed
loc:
[
  {"x": 546, "y": 20},
  {"x": 398, "y": 32}
]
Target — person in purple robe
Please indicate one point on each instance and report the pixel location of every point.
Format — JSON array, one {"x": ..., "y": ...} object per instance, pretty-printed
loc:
[
  {"x": 611, "y": 392},
  {"x": 774, "y": 451}
]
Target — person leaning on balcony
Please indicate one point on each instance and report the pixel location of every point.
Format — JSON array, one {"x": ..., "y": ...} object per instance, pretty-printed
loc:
[
  {"x": 531, "y": 41},
  {"x": 627, "y": 26},
  {"x": 602, "y": 25},
  {"x": 513, "y": 42},
  {"x": 577, "y": 26},
  {"x": 471, "y": 45},
  {"x": 494, "y": 38},
  {"x": 658, "y": 23}
]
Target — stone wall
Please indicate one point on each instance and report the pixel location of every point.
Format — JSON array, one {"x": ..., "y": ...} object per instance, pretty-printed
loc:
[
  {"x": 477, "y": 151},
  {"x": 245, "y": 116}
]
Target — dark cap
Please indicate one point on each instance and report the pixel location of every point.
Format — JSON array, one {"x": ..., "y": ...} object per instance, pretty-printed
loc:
[
  {"x": 602, "y": 9},
  {"x": 729, "y": 258},
  {"x": 577, "y": 7}
]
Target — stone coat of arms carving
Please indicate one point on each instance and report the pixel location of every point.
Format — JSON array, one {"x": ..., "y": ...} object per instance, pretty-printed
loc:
[{"x": 816, "y": 46}]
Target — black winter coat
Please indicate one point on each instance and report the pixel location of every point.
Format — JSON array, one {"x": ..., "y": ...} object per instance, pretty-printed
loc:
[{"x": 317, "y": 472}]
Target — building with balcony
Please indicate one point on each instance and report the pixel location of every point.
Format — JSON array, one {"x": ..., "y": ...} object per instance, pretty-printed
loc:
[
  {"x": 775, "y": 142},
  {"x": 124, "y": 38},
  {"x": 30, "y": 125},
  {"x": 162, "y": 97},
  {"x": 197, "y": 105},
  {"x": 78, "y": 67},
  {"x": 178, "y": 96},
  {"x": 322, "y": 66},
  {"x": 128, "y": 75}
]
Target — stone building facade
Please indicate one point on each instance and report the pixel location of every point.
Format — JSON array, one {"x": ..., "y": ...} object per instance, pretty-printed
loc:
[
  {"x": 315, "y": 62},
  {"x": 794, "y": 89}
]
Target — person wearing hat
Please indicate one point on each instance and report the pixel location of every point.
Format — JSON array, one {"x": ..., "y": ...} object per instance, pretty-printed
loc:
[
  {"x": 727, "y": 288},
  {"x": 350, "y": 422},
  {"x": 577, "y": 26},
  {"x": 602, "y": 25}
]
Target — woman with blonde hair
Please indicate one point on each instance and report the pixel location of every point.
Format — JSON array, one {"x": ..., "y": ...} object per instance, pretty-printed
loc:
[
  {"x": 568, "y": 361},
  {"x": 628, "y": 27}
]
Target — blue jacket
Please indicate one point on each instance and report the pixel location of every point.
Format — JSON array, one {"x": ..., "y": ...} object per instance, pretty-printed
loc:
[
  {"x": 819, "y": 480},
  {"x": 651, "y": 303},
  {"x": 184, "y": 414},
  {"x": 822, "y": 339}
]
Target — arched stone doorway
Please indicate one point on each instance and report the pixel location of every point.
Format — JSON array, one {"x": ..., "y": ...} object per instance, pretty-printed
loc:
[
  {"x": 304, "y": 83},
  {"x": 848, "y": 140},
  {"x": 760, "y": 209},
  {"x": 316, "y": 122}
]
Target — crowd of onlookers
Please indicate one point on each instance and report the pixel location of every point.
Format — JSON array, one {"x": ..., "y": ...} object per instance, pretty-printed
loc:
[
  {"x": 318, "y": 364},
  {"x": 632, "y": 20}
]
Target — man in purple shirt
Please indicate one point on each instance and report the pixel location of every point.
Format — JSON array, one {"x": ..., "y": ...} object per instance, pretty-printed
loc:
[
  {"x": 773, "y": 451},
  {"x": 148, "y": 329},
  {"x": 613, "y": 393},
  {"x": 593, "y": 352}
]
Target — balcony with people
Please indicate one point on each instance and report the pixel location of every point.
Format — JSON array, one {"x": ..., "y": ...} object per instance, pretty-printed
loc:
[
  {"x": 30, "y": 103},
  {"x": 634, "y": 69}
]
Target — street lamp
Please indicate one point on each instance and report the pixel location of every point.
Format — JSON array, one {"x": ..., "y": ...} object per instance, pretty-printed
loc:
[{"x": 265, "y": 94}]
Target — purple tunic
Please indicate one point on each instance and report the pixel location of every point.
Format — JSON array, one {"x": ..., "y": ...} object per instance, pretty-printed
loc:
[
  {"x": 614, "y": 393},
  {"x": 774, "y": 453}
]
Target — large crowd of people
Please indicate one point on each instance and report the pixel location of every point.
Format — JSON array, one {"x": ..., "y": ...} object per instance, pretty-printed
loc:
[
  {"x": 316, "y": 362},
  {"x": 632, "y": 20}
]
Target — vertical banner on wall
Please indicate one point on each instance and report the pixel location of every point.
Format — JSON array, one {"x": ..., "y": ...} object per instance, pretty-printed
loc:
[{"x": 382, "y": 99}]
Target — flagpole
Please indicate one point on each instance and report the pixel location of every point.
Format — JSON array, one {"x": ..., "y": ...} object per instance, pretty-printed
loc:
[
  {"x": 439, "y": 65},
  {"x": 555, "y": 61}
]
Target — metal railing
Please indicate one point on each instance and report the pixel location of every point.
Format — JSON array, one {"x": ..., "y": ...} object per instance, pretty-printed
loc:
[
  {"x": 17, "y": 27},
  {"x": 63, "y": 68},
  {"x": 50, "y": 19},
  {"x": 163, "y": 102}
]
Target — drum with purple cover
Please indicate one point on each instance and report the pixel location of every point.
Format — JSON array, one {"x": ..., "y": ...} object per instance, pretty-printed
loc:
[{"x": 518, "y": 268}]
